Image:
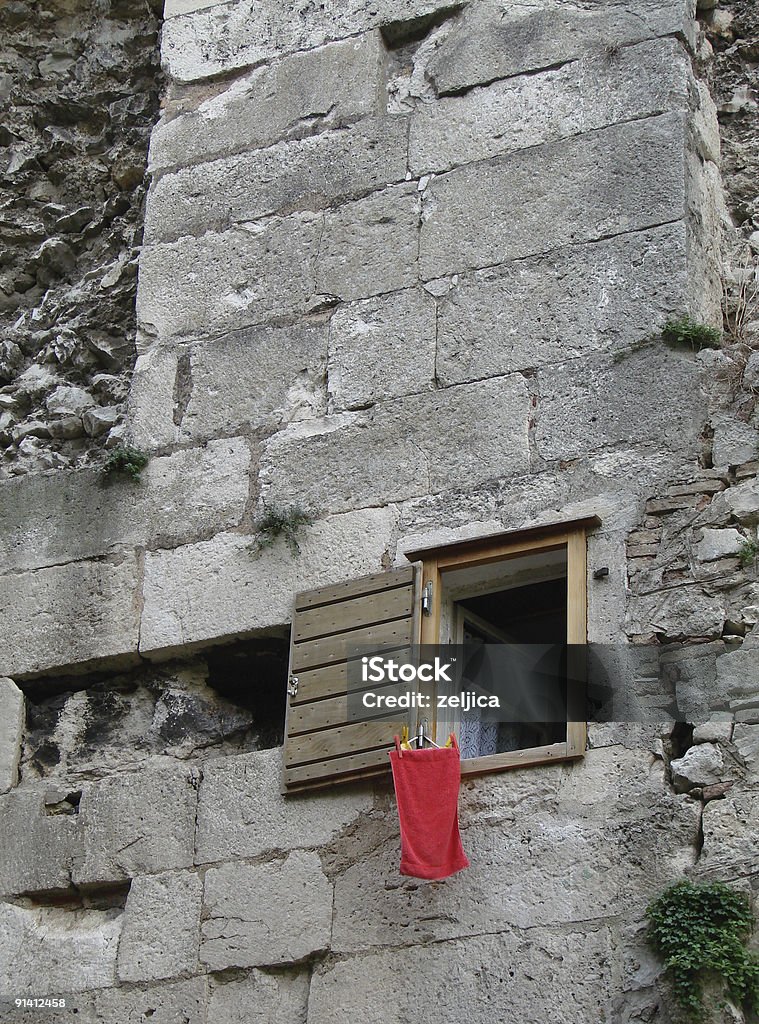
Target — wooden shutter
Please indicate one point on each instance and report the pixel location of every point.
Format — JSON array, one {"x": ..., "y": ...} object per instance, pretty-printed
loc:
[{"x": 321, "y": 744}]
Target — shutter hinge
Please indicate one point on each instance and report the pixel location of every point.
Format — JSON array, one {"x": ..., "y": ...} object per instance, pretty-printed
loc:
[
  {"x": 427, "y": 598},
  {"x": 292, "y": 685}
]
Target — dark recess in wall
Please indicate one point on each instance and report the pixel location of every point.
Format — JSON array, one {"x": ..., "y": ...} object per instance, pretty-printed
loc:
[
  {"x": 402, "y": 33},
  {"x": 253, "y": 675}
]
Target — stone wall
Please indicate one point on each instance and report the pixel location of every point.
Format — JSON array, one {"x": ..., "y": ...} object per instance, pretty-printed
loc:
[
  {"x": 406, "y": 265},
  {"x": 79, "y": 87}
]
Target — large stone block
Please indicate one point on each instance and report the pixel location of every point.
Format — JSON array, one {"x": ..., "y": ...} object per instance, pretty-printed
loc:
[
  {"x": 746, "y": 740},
  {"x": 74, "y": 614},
  {"x": 734, "y": 441},
  {"x": 184, "y": 1001},
  {"x": 679, "y": 614},
  {"x": 137, "y": 823},
  {"x": 370, "y": 246},
  {"x": 738, "y": 674},
  {"x": 743, "y": 501},
  {"x": 49, "y": 951},
  {"x": 689, "y": 670},
  {"x": 210, "y": 41},
  {"x": 222, "y": 588},
  {"x": 625, "y": 178},
  {"x": 249, "y": 380},
  {"x": 479, "y": 980},
  {"x": 592, "y": 93},
  {"x": 224, "y": 281},
  {"x": 597, "y": 403},
  {"x": 304, "y": 174},
  {"x": 37, "y": 850},
  {"x": 241, "y": 812},
  {"x": 575, "y": 301},
  {"x": 278, "y": 912},
  {"x": 260, "y": 998},
  {"x": 702, "y": 765},
  {"x": 397, "y": 450},
  {"x": 161, "y": 932},
  {"x": 495, "y": 39},
  {"x": 152, "y": 406},
  {"x": 11, "y": 732},
  {"x": 323, "y": 88},
  {"x": 46, "y": 519},
  {"x": 731, "y": 837},
  {"x": 254, "y": 380},
  {"x": 717, "y": 544},
  {"x": 381, "y": 348}
]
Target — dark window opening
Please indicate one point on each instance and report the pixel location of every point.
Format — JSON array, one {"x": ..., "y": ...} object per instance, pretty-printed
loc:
[
  {"x": 532, "y": 614},
  {"x": 253, "y": 675}
]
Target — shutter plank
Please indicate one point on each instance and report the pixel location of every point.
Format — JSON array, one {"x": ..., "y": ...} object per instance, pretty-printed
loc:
[
  {"x": 344, "y": 616},
  {"x": 326, "y": 651},
  {"x": 373, "y": 762},
  {"x": 332, "y": 680},
  {"x": 344, "y": 739},
  {"x": 355, "y": 588},
  {"x": 321, "y": 714}
]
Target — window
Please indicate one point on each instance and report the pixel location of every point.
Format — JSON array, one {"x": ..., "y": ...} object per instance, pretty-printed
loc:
[
  {"x": 523, "y": 588},
  {"x": 526, "y": 587}
]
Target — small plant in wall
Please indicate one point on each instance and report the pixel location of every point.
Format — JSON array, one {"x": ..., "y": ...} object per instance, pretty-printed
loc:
[
  {"x": 684, "y": 330},
  {"x": 125, "y": 461},
  {"x": 748, "y": 553},
  {"x": 700, "y": 931},
  {"x": 285, "y": 522}
]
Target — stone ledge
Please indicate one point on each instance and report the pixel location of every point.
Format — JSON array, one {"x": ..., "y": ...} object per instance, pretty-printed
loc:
[
  {"x": 64, "y": 517},
  {"x": 77, "y": 615},
  {"x": 220, "y": 588}
]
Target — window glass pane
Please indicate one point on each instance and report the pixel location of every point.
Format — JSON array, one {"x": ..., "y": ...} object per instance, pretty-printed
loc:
[{"x": 525, "y": 613}]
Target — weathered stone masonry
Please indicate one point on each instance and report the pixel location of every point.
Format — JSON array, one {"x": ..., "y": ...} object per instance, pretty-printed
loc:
[
  {"x": 405, "y": 263},
  {"x": 79, "y": 86}
]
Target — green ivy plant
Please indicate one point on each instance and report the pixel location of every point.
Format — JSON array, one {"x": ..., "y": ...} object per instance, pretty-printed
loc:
[
  {"x": 285, "y": 522},
  {"x": 684, "y": 330},
  {"x": 126, "y": 461},
  {"x": 702, "y": 929},
  {"x": 748, "y": 553}
]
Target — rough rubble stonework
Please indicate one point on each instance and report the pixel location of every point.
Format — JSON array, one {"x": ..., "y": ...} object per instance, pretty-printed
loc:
[
  {"x": 406, "y": 263},
  {"x": 79, "y": 84}
]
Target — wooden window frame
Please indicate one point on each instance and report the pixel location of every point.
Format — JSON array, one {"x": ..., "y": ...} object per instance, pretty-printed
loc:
[{"x": 572, "y": 536}]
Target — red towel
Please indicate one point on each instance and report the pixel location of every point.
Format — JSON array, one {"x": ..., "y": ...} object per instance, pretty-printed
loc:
[{"x": 427, "y": 790}]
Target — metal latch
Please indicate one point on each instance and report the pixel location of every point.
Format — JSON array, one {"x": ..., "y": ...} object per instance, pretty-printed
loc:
[
  {"x": 292, "y": 686},
  {"x": 427, "y": 599}
]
